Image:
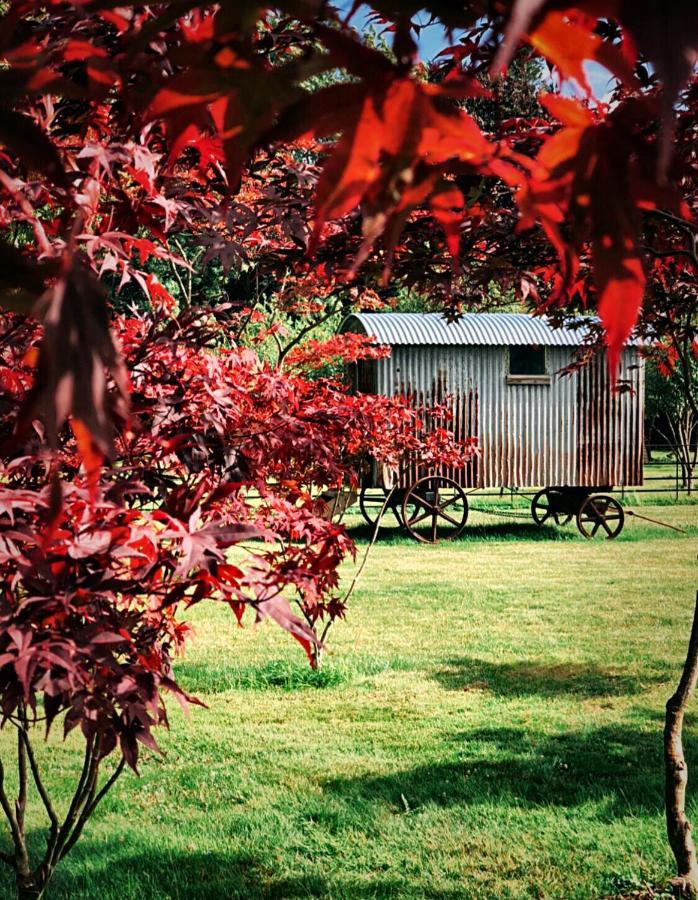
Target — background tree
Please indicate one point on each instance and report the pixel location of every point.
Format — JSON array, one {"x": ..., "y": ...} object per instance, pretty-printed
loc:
[{"x": 671, "y": 417}]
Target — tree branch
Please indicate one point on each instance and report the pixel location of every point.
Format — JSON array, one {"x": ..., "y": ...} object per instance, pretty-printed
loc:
[
  {"x": 304, "y": 332},
  {"x": 10, "y": 816},
  {"x": 79, "y": 797},
  {"x": 36, "y": 775}
]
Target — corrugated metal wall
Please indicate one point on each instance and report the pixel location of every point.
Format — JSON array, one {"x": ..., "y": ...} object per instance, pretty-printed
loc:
[{"x": 573, "y": 431}]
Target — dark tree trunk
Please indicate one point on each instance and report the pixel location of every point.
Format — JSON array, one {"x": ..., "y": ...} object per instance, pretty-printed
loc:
[
  {"x": 676, "y": 774},
  {"x": 27, "y": 889}
]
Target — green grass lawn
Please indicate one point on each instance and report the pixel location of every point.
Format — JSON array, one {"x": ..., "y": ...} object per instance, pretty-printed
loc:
[{"x": 487, "y": 725}]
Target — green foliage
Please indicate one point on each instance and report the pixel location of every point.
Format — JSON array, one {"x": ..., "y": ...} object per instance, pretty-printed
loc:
[
  {"x": 666, "y": 394},
  {"x": 200, "y": 285},
  {"x": 513, "y": 96},
  {"x": 670, "y": 398}
]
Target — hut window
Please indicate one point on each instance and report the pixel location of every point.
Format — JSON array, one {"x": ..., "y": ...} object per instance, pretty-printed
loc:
[{"x": 527, "y": 365}]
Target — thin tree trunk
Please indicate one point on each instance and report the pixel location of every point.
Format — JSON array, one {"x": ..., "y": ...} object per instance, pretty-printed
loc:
[{"x": 676, "y": 774}]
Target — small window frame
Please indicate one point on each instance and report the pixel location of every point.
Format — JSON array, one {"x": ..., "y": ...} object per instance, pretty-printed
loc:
[{"x": 542, "y": 378}]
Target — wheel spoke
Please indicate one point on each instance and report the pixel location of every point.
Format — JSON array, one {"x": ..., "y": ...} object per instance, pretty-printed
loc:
[
  {"x": 419, "y": 518},
  {"x": 420, "y": 501},
  {"x": 450, "y": 519},
  {"x": 541, "y": 507}
]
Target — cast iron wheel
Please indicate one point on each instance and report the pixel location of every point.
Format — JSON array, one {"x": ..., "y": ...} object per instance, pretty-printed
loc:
[
  {"x": 601, "y": 513},
  {"x": 435, "y": 508},
  {"x": 544, "y": 507},
  {"x": 371, "y": 502}
]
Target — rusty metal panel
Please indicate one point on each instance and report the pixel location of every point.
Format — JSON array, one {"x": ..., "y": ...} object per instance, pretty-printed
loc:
[
  {"x": 573, "y": 431},
  {"x": 611, "y": 432}
]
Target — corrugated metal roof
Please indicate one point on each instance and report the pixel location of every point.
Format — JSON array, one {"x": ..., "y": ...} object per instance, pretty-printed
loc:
[{"x": 488, "y": 329}]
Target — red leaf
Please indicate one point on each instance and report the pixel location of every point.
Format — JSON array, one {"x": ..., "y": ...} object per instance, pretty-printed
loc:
[
  {"x": 570, "y": 45},
  {"x": 76, "y": 354},
  {"x": 591, "y": 179},
  {"x": 447, "y": 206},
  {"x": 667, "y": 34},
  {"x": 279, "y": 610},
  {"x": 92, "y": 457},
  {"x": 163, "y": 302},
  {"x": 352, "y": 166},
  {"x": 621, "y": 289}
]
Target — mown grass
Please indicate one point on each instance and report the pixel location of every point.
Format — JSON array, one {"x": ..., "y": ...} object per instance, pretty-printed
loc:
[{"x": 488, "y": 725}]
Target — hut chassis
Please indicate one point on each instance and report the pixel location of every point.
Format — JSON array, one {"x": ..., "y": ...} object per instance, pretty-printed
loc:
[{"x": 441, "y": 504}]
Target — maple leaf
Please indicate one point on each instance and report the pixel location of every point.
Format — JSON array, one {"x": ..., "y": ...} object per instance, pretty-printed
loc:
[
  {"x": 76, "y": 353},
  {"x": 386, "y": 159},
  {"x": 159, "y": 296},
  {"x": 279, "y": 609},
  {"x": 91, "y": 456},
  {"x": 447, "y": 206},
  {"x": 30, "y": 142},
  {"x": 570, "y": 44},
  {"x": 235, "y": 94},
  {"x": 589, "y": 178}
]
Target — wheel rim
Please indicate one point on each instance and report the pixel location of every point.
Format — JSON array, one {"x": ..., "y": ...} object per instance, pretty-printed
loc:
[
  {"x": 434, "y": 509},
  {"x": 542, "y": 509},
  {"x": 601, "y": 515},
  {"x": 371, "y": 511}
]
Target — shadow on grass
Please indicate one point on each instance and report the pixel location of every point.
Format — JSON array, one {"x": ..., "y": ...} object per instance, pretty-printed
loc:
[
  {"x": 522, "y": 529},
  {"x": 209, "y": 876},
  {"x": 617, "y": 767},
  {"x": 497, "y": 531},
  {"x": 518, "y": 531},
  {"x": 524, "y": 678},
  {"x": 104, "y": 870},
  {"x": 610, "y": 772}
]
